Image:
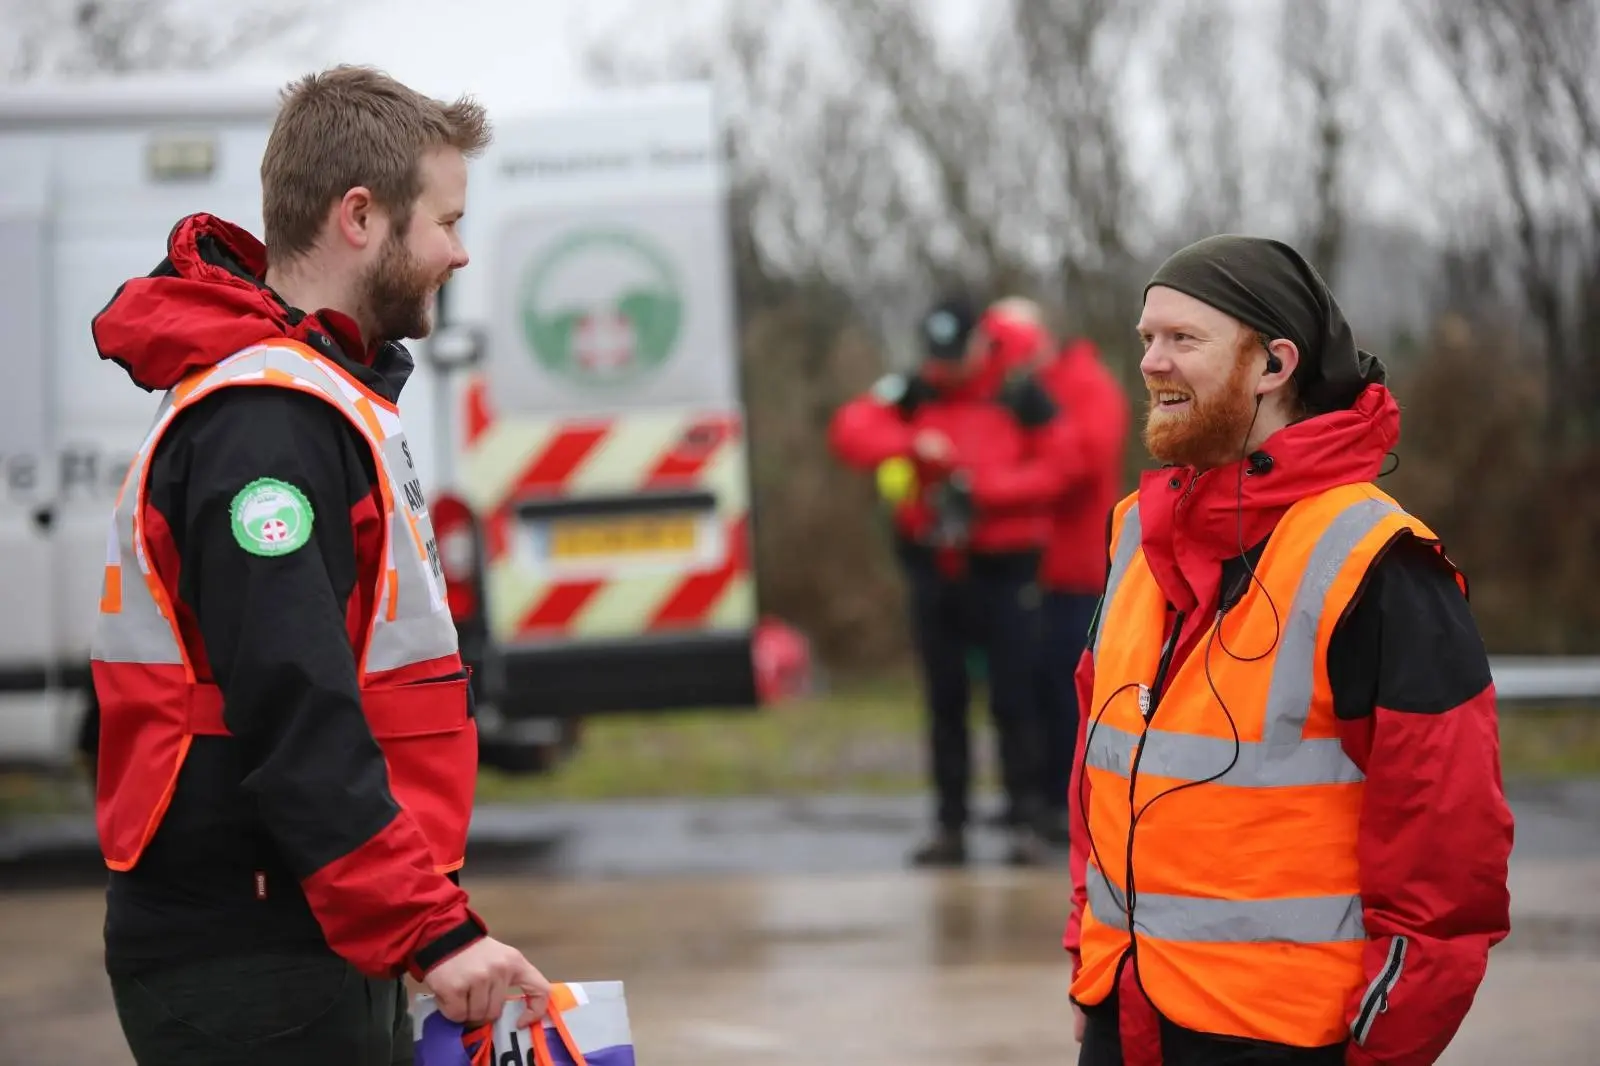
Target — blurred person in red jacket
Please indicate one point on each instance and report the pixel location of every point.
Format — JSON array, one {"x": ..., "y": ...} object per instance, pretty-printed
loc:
[
  {"x": 1072, "y": 573},
  {"x": 1290, "y": 838},
  {"x": 982, "y": 445}
]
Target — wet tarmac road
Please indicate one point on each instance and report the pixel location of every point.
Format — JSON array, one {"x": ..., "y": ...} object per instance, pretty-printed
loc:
[{"x": 780, "y": 933}]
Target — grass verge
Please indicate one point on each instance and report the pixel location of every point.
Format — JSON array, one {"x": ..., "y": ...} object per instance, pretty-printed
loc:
[
  {"x": 866, "y": 737},
  {"x": 1554, "y": 742}
]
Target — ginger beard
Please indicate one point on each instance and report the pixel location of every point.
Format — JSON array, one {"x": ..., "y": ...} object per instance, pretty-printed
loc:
[
  {"x": 1206, "y": 431},
  {"x": 397, "y": 292}
]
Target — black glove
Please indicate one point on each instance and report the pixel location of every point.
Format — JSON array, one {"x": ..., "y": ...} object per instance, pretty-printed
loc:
[
  {"x": 1027, "y": 400},
  {"x": 906, "y": 392}
]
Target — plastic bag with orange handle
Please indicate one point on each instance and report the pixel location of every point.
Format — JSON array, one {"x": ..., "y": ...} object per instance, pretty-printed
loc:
[{"x": 587, "y": 1025}]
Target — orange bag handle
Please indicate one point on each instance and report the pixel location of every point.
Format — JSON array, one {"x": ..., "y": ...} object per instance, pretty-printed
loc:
[
  {"x": 483, "y": 1052},
  {"x": 541, "y": 1050},
  {"x": 483, "y": 1048}
]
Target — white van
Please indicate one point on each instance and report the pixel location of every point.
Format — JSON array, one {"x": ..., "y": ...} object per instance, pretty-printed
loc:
[
  {"x": 92, "y": 179},
  {"x": 594, "y": 517},
  {"x": 584, "y": 457}
]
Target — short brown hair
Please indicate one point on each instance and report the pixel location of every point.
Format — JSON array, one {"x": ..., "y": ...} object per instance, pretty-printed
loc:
[{"x": 354, "y": 126}]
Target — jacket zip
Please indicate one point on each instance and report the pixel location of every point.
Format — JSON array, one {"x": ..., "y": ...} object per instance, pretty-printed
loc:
[
  {"x": 1148, "y": 699},
  {"x": 1376, "y": 999}
]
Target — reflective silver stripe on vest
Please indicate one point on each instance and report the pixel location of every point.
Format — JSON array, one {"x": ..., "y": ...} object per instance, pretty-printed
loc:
[
  {"x": 1283, "y": 757},
  {"x": 421, "y": 629},
  {"x": 1289, "y": 697},
  {"x": 139, "y": 632},
  {"x": 1191, "y": 919},
  {"x": 1127, "y": 544},
  {"x": 1186, "y": 757}
]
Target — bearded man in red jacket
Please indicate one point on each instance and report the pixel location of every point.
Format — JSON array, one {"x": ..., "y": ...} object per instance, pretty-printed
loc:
[
  {"x": 1290, "y": 839},
  {"x": 987, "y": 450}
]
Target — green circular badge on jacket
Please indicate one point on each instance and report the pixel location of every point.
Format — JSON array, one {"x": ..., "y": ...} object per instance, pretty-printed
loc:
[{"x": 271, "y": 517}]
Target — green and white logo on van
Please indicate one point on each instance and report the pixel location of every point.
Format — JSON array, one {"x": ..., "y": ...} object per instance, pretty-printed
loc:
[
  {"x": 271, "y": 517},
  {"x": 602, "y": 307}
]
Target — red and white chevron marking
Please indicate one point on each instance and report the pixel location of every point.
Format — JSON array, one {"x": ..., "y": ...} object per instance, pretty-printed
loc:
[{"x": 507, "y": 460}]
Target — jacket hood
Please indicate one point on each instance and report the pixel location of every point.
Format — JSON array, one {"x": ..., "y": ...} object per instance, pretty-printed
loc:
[
  {"x": 205, "y": 301},
  {"x": 1192, "y": 521}
]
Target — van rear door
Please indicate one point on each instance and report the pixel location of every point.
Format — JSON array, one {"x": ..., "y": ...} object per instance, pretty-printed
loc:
[
  {"x": 30, "y": 656},
  {"x": 606, "y": 448}
]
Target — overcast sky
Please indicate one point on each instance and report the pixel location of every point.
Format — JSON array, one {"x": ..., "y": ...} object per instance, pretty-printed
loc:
[
  {"x": 514, "y": 54},
  {"x": 529, "y": 54}
]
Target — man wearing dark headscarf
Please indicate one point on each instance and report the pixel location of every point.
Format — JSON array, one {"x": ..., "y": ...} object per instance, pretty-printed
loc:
[{"x": 1288, "y": 778}]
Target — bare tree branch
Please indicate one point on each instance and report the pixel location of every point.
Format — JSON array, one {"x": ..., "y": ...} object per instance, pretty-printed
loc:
[
  {"x": 1521, "y": 70},
  {"x": 74, "y": 38},
  {"x": 934, "y": 109},
  {"x": 1322, "y": 40},
  {"x": 1203, "y": 117}
]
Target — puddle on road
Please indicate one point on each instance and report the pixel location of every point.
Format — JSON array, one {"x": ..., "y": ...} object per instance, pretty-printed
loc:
[
  {"x": 778, "y": 932},
  {"x": 893, "y": 968},
  {"x": 911, "y": 919},
  {"x": 878, "y": 969}
]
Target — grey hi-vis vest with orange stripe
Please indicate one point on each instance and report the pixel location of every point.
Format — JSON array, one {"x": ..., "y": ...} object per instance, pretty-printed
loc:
[{"x": 413, "y": 687}]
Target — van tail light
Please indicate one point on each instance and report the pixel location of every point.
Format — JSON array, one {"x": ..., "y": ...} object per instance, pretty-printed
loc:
[{"x": 455, "y": 530}]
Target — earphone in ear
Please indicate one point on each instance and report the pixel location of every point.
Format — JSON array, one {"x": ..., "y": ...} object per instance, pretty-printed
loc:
[{"x": 1274, "y": 364}]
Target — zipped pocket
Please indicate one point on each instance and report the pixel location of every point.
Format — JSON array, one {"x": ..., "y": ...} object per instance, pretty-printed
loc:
[
  {"x": 1376, "y": 1000},
  {"x": 463, "y": 674}
]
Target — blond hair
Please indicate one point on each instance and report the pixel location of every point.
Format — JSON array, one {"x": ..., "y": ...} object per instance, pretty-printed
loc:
[
  {"x": 354, "y": 126},
  {"x": 1020, "y": 309}
]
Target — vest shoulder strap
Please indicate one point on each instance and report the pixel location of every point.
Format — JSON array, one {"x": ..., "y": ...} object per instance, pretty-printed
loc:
[
  {"x": 1124, "y": 541},
  {"x": 291, "y": 364}
]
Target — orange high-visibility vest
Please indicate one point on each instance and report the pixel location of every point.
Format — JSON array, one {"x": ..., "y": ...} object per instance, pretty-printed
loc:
[
  {"x": 152, "y": 704},
  {"x": 1233, "y": 854}
]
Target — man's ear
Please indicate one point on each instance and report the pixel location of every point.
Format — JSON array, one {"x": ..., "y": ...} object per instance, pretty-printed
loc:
[
  {"x": 356, "y": 217},
  {"x": 1282, "y": 359}
]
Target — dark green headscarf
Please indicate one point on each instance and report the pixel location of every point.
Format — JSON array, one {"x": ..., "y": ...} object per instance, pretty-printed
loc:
[{"x": 1271, "y": 288}]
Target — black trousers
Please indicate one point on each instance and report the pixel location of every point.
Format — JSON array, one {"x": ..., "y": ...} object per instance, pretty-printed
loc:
[
  {"x": 1065, "y": 617},
  {"x": 1102, "y": 1046},
  {"x": 997, "y": 611},
  {"x": 270, "y": 1009}
]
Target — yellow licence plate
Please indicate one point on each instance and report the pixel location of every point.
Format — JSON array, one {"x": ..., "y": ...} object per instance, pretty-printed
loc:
[{"x": 586, "y": 539}]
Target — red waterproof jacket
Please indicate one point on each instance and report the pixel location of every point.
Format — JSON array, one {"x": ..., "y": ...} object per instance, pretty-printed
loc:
[
  {"x": 1416, "y": 708},
  {"x": 288, "y": 828},
  {"x": 1015, "y": 471},
  {"x": 1098, "y": 417}
]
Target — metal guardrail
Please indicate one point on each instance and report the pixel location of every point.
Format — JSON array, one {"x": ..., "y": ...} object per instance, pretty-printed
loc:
[{"x": 1545, "y": 678}]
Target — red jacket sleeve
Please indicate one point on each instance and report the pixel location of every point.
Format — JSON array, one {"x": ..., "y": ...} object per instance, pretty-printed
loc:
[
  {"x": 1078, "y": 786},
  {"x": 1077, "y": 811},
  {"x": 1417, "y": 714},
  {"x": 275, "y": 634},
  {"x": 1099, "y": 414},
  {"x": 866, "y": 431},
  {"x": 1096, "y": 411},
  {"x": 1054, "y": 454}
]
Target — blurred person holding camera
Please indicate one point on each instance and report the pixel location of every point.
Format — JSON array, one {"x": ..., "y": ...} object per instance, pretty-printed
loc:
[
  {"x": 978, "y": 447},
  {"x": 1072, "y": 572}
]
